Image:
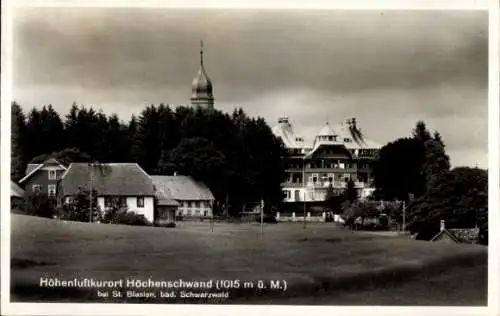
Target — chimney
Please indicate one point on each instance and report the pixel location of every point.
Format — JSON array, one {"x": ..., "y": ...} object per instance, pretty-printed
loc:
[
  {"x": 283, "y": 120},
  {"x": 442, "y": 226}
]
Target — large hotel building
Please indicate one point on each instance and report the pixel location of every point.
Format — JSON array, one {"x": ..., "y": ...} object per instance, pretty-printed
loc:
[{"x": 336, "y": 155}]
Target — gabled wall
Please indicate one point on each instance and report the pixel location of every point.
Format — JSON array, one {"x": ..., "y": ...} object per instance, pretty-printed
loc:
[{"x": 41, "y": 177}]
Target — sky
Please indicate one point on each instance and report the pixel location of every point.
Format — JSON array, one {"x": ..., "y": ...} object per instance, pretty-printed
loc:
[{"x": 388, "y": 69}]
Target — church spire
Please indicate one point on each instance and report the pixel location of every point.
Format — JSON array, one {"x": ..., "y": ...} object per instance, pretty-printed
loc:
[
  {"x": 202, "y": 90},
  {"x": 201, "y": 53}
]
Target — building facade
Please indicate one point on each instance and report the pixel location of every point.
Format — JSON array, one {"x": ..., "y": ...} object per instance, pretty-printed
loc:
[
  {"x": 126, "y": 184},
  {"x": 194, "y": 198},
  {"x": 336, "y": 155},
  {"x": 43, "y": 178}
]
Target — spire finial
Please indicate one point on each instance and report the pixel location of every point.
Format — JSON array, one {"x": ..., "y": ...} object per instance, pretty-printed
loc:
[{"x": 201, "y": 52}]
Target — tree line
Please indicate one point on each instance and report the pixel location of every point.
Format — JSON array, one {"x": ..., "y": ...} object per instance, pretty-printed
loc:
[
  {"x": 237, "y": 156},
  {"x": 417, "y": 170},
  {"x": 240, "y": 159}
]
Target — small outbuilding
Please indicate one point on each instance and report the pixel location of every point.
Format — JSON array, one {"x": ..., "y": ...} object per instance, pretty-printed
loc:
[
  {"x": 463, "y": 236},
  {"x": 16, "y": 195},
  {"x": 165, "y": 210},
  {"x": 194, "y": 198}
]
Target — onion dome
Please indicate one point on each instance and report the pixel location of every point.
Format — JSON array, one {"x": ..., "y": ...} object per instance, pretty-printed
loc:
[{"x": 202, "y": 89}]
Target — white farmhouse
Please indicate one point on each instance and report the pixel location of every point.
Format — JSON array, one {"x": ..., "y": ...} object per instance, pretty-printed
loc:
[{"x": 126, "y": 182}]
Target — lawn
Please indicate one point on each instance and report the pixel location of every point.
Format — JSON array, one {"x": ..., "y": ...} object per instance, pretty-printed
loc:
[{"x": 321, "y": 260}]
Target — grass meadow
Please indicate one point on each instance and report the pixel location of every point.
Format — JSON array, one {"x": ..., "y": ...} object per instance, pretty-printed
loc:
[{"x": 321, "y": 264}]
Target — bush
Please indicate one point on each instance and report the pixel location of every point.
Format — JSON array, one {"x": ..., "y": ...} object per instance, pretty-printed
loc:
[
  {"x": 78, "y": 209},
  {"x": 131, "y": 218},
  {"x": 74, "y": 212},
  {"x": 358, "y": 209},
  {"x": 383, "y": 221},
  {"x": 121, "y": 215},
  {"x": 483, "y": 237},
  {"x": 39, "y": 205}
]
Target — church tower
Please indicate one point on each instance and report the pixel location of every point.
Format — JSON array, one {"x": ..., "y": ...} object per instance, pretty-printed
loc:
[{"x": 202, "y": 90}]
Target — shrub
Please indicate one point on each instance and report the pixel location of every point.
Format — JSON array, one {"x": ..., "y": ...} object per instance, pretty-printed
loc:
[
  {"x": 383, "y": 221},
  {"x": 116, "y": 213},
  {"x": 483, "y": 236},
  {"x": 358, "y": 209},
  {"x": 39, "y": 205},
  {"x": 73, "y": 212},
  {"x": 113, "y": 214},
  {"x": 78, "y": 209},
  {"x": 131, "y": 218}
]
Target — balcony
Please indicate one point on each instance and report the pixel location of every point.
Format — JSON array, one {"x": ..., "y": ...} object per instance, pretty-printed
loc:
[{"x": 335, "y": 184}]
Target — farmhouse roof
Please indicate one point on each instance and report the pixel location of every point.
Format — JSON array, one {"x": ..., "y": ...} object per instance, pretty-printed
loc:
[
  {"x": 466, "y": 236},
  {"x": 30, "y": 167},
  {"x": 15, "y": 190},
  {"x": 443, "y": 233},
  {"x": 51, "y": 161},
  {"x": 163, "y": 199},
  {"x": 182, "y": 188},
  {"x": 470, "y": 235},
  {"x": 111, "y": 179},
  {"x": 33, "y": 168}
]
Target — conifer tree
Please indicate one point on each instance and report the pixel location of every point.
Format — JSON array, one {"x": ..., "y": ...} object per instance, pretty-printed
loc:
[{"x": 18, "y": 142}]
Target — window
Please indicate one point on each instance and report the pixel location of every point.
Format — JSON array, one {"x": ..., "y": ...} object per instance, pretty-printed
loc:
[
  {"x": 52, "y": 175},
  {"x": 107, "y": 201},
  {"x": 198, "y": 212},
  {"x": 314, "y": 177},
  {"x": 197, "y": 204},
  {"x": 330, "y": 177},
  {"x": 122, "y": 201},
  {"x": 189, "y": 213},
  {"x": 205, "y": 213},
  {"x": 287, "y": 194},
  {"x": 52, "y": 190},
  {"x": 37, "y": 188},
  {"x": 140, "y": 201},
  {"x": 297, "y": 195}
]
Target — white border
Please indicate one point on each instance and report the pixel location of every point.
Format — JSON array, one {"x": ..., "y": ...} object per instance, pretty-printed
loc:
[{"x": 141, "y": 309}]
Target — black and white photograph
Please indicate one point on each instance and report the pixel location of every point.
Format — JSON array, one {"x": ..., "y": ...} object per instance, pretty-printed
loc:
[{"x": 262, "y": 157}]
